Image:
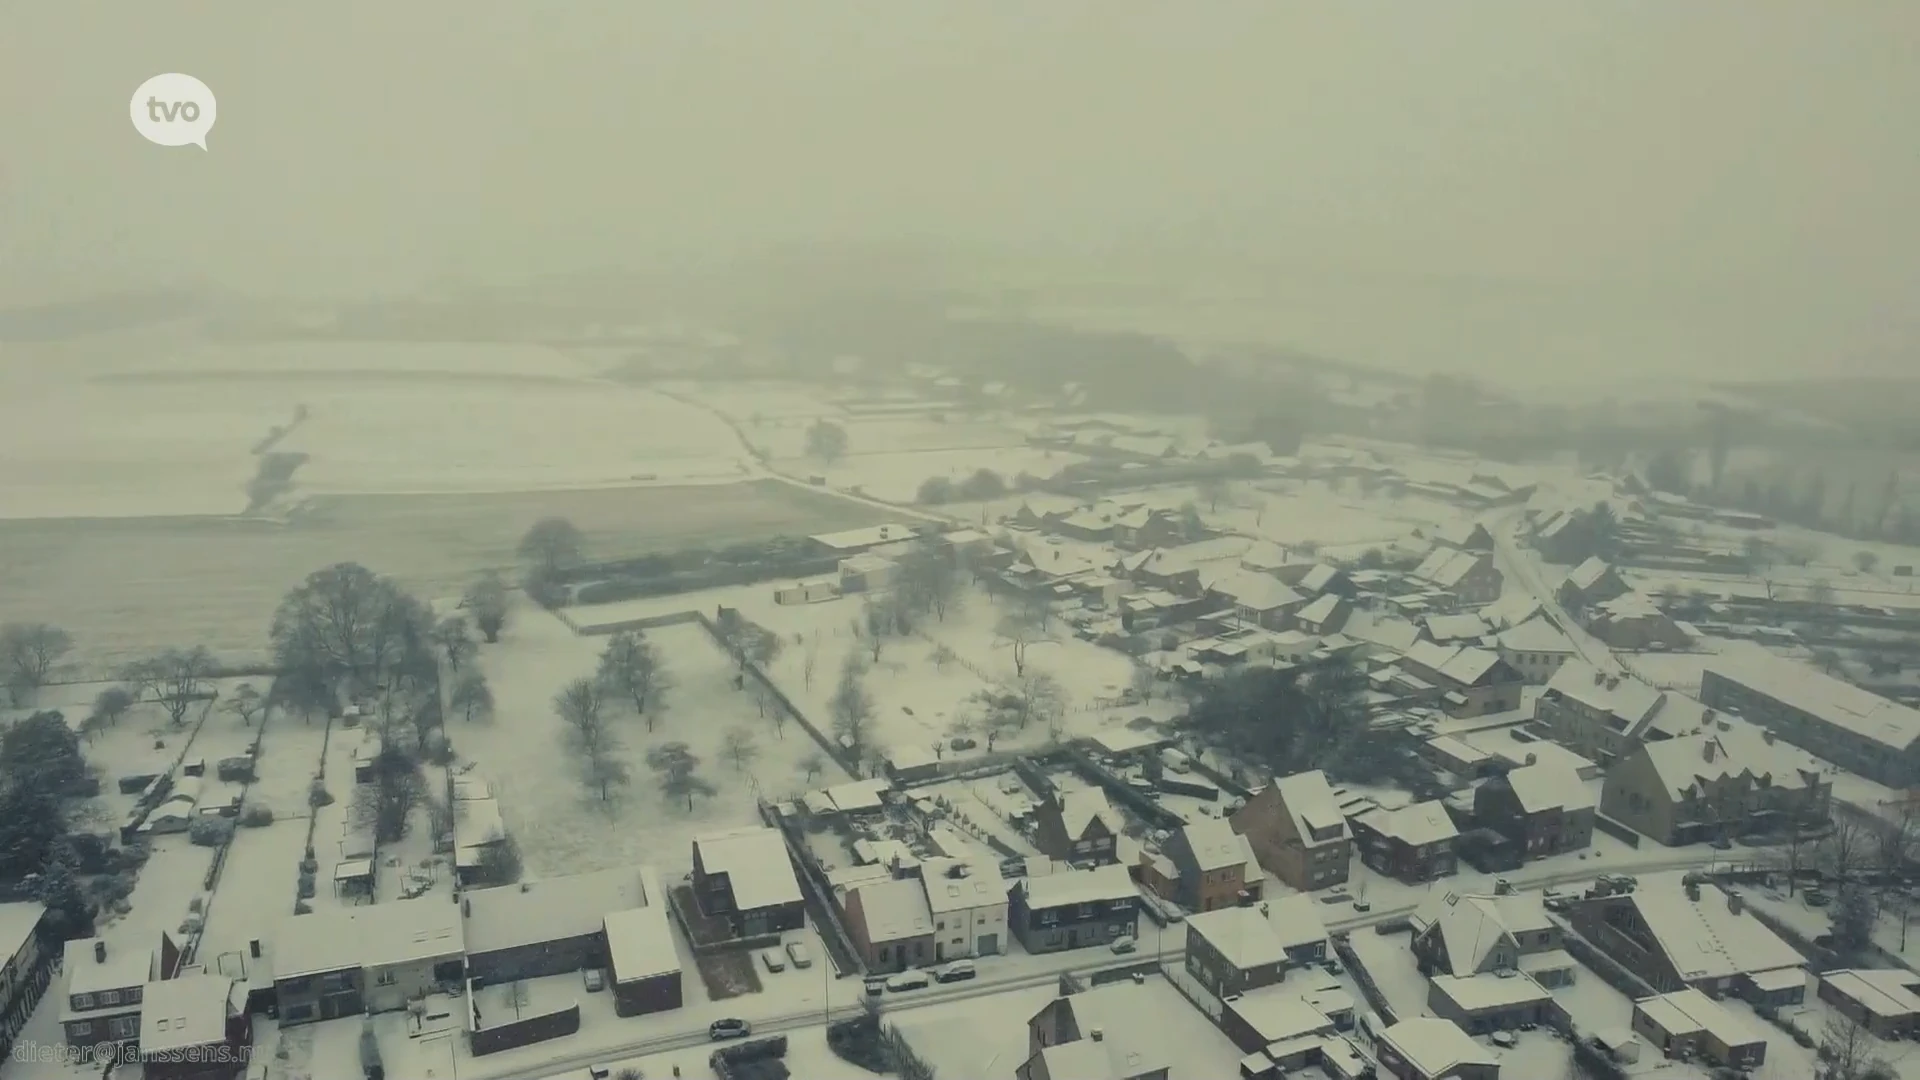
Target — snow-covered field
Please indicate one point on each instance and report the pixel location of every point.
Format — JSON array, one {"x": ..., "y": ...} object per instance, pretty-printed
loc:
[{"x": 561, "y": 827}]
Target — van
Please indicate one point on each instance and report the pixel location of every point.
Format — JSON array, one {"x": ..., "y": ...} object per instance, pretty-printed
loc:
[
  {"x": 958, "y": 971},
  {"x": 909, "y": 980}
]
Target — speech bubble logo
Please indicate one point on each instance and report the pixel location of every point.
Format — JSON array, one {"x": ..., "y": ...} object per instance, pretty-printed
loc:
[{"x": 173, "y": 110}]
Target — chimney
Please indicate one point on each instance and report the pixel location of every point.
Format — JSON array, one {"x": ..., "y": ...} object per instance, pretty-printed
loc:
[
  {"x": 1706, "y": 716},
  {"x": 253, "y": 947},
  {"x": 1767, "y": 734},
  {"x": 1613, "y": 682},
  {"x": 1708, "y": 749},
  {"x": 1599, "y": 678},
  {"x": 1097, "y": 1034},
  {"x": 99, "y": 952},
  {"x": 1693, "y": 890},
  {"x": 1735, "y": 903}
]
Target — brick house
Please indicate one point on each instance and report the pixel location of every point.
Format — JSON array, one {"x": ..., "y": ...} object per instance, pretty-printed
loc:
[
  {"x": 1719, "y": 783},
  {"x": 1297, "y": 831},
  {"x": 1077, "y": 826},
  {"x": 1543, "y": 808},
  {"x": 1413, "y": 843},
  {"x": 1214, "y": 867},
  {"x": 1853, "y": 728}
]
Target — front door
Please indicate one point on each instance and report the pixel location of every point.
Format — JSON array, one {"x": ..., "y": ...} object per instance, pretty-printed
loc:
[{"x": 989, "y": 944}]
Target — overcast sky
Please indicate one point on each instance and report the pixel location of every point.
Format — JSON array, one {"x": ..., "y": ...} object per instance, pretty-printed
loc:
[{"x": 1761, "y": 151}]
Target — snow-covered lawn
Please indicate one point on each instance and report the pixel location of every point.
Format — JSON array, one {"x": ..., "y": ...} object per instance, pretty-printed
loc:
[
  {"x": 561, "y": 827},
  {"x": 896, "y": 475}
]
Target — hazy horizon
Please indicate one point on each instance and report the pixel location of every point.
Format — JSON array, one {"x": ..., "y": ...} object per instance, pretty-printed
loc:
[{"x": 1529, "y": 191}]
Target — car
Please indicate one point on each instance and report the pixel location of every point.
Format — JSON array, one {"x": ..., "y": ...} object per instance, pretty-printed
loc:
[
  {"x": 1362, "y": 905},
  {"x": 1124, "y": 945},
  {"x": 595, "y": 979},
  {"x": 1331, "y": 966},
  {"x": 1816, "y": 897},
  {"x": 729, "y": 1028},
  {"x": 876, "y": 985},
  {"x": 958, "y": 971},
  {"x": 797, "y": 952},
  {"x": 774, "y": 959},
  {"x": 909, "y": 980}
]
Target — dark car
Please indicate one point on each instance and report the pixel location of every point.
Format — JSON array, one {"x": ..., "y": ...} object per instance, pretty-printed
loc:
[{"x": 729, "y": 1029}]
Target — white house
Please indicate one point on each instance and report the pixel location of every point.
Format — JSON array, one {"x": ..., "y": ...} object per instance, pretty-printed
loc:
[{"x": 968, "y": 898}]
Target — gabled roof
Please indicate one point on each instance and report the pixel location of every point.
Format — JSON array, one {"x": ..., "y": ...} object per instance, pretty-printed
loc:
[
  {"x": 1132, "y": 1042},
  {"x": 122, "y": 968},
  {"x": 1241, "y": 935},
  {"x": 1549, "y": 785},
  {"x": 1065, "y": 887},
  {"x": 756, "y": 863},
  {"x": 1079, "y": 808},
  {"x": 1883, "y": 992},
  {"x": 1835, "y": 701},
  {"x": 1628, "y": 700},
  {"x": 1310, "y": 803},
  {"x": 1447, "y": 628},
  {"x": 1258, "y": 592},
  {"x": 1176, "y": 560},
  {"x": 1322, "y": 609},
  {"x": 982, "y": 885},
  {"x": 1471, "y": 926},
  {"x": 553, "y": 909},
  {"x": 1447, "y": 567},
  {"x": 893, "y": 910},
  {"x": 1537, "y": 634},
  {"x": 1416, "y": 825},
  {"x": 378, "y": 935},
  {"x": 1213, "y": 845},
  {"x": 1682, "y": 763},
  {"x": 1588, "y": 574},
  {"x": 1433, "y": 1045},
  {"x": 1320, "y": 577},
  {"x": 1705, "y": 938}
]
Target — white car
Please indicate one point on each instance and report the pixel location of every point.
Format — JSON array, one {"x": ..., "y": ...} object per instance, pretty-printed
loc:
[
  {"x": 1124, "y": 945},
  {"x": 797, "y": 952},
  {"x": 908, "y": 980}
]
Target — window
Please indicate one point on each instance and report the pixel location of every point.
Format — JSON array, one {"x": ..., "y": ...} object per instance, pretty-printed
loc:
[
  {"x": 297, "y": 986},
  {"x": 384, "y": 978},
  {"x": 133, "y": 996},
  {"x": 82, "y": 1001},
  {"x": 80, "y": 1030},
  {"x": 109, "y": 997},
  {"x": 941, "y": 925},
  {"x": 123, "y": 1027}
]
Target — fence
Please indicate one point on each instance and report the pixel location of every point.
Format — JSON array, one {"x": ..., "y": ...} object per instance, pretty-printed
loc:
[
  {"x": 1198, "y": 995},
  {"x": 523, "y": 1032},
  {"x": 671, "y": 618},
  {"x": 819, "y": 895},
  {"x": 1611, "y": 971},
  {"x": 1153, "y": 813},
  {"x": 1616, "y": 830},
  {"x": 1362, "y": 978}
]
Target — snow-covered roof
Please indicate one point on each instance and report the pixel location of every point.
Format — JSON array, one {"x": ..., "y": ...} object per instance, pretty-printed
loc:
[
  {"x": 1386, "y": 631},
  {"x": 1472, "y": 926},
  {"x": 1470, "y": 665},
  {"x": 1279, "y": 1013},
  {"x": 1705, "y": 938},
  {"x": 1215, "y": 845},
  {"x": 1310, "y": 801},
  {"x": 1883, "y": 992},
  {"x": 1630, "y": 605},
  {"x": 476, "y": 823},
  {"x": 1065, "y": 887},
  {"x": 1415, "y": 825},
  {"x": 1433, "y": 1046},
  {"x": 1447, "y": 567},
  {"x": 1474, "y": 993},
  {"x": 1129, "y": 1020},
  {"x": 376, "y": 935},
  {"x": 1255, "y": 591},
  {"x": 854, "y": 539},
  {"x": 640, "y": 939},
  {"x": 1628, "y": 699},
  {"x": 1685, "y": 1012},
  {"x": 1295, "y": 919},
  {"x": 1833, "y": 700},
  {"x": 1241, "y": 935},
  {"x": 18, "y": 921},
  {"x": 1588, "y": 574},
  {"x": 551, "y": 909},
  {"x": 1323, "y": 608},
  {"x": 756, "y": 863},
  {"x": 1693, "y": 762},
  {"x": 981, "y": 885},
  {"x": 1445, "y": 628},
  {"x": 1536, "y": 635},
  {"x": 1549, "y": 785},
  {"x": 858, "y": 796},
  {"x": 183, "y": 1012},
  {"x": 122, "y": 968},
  {"x": 1081, "y": 807},
  {"x": 1319, "y": 577},
  {"x": 893, "y": 910}
]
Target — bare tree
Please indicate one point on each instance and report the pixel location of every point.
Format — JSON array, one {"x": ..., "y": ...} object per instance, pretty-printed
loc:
[
  {"x": 111, "y": 704},
  {"x": 770, "y": 705},
  {"x": 347, "y": 622},
  {"x": 1143, "y": 682},
  {"x": 677, "y": 769},
  {"x": 745, "y": 640},
  {"x": 826, "y": 440},
  {"x": 28, "y": 652},
  {"x": 630, "y": 667},
  {"x": 1848, "y": 1050},
  {"x": 927, "y": 580},
  {"x": 1846, "y": 847},
  {"x": 450, "y": 635},
  {"x": 1213, "y": 489},
  {"x": 1866, "y": 561},
  {"x": 174, "y": 679},
  {"x": 942, "y": 656},
  {"x": 245, "y": 702},
  {"x": 471, "y": 696},
  {"x": 582, "y": 708},
  {"x": 1020, "y": 631},
  {"x": 1041, "y": 698},
  {"x": 552, "y": 545},
  {"x": 1794, "y": 853},
  {"x": 486, "y": 600},
  {"x": 1894, "y": 836},
  {"x": 741, "y": 747},
  {"x": 851, "y": 707},
  {"x": 812, "y": 763},
  {"x": 810, "y": 659}
]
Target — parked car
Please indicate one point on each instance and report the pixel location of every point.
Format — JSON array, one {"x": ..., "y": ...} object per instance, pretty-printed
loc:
[
  {"x": 1124, "y": 945},
  {"x": 1362, "y": 905},
  {"x": 774, "y": 959},
  {"x": 596, "y": 979},
  {"x": 730, "y": 1028},
  {"x": 797, "y": 952},
  {"x": 1332, "y": 966},
  {"x": 958, "y": 971},
  {"x": 1816, "y": 897},
  {"x": 909, "y": 980},
  {"x": 876, "y": 985}
]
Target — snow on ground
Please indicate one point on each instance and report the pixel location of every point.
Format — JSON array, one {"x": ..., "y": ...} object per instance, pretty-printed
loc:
[
  {"x": 562, "y": 828},
  {"x": 897, "y": 475},
  {"x": 808, "y": 1057}
]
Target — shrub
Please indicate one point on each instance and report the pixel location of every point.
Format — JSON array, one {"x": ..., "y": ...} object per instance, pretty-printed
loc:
[
  {"x": 309, "y": 865},
  {"x": 211, "y": 831},
  {"x": 254, "y": 817},
  {"x": 318, "y": 795},
  {"x": 301, "y": 907},
  {"x": 858, "y": 1041},
  {"x": 306, "y": 886}
]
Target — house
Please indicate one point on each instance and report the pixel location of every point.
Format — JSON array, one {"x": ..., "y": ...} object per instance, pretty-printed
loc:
[
  {"x": 1412, "y": 843},
  {"x": 1545, "y": 808},
  {"x": 195, "y": 1027},
  {"x": 1073, "y": 909},
  {"x": 867, "y": 572},
  {"x": 1321, "y": 579},
  {"x": 1276, "y": 1017},
  {"x": 1179, "y": 569},
  {"x": 1214, "y": 867},
  {"x": 1429, "y": 1048},
  {"x": 1325, "y": 615},
  {"x": 968, "y": 898},
  {"x": 1719, "y": 783},
  {"x": 1884, "y": 1001},
  {"x": 104, "y": 990},
  {"x": 1853, "y": 728},
  {"x": 852, "y": 542},
  {"x": 1258, "y": 599},
  {"x": 643, "y": 962},
  {"x": 1469, "y": 575},
  {"x": 1589, "y": 583},
  {"x": 891, "y": 924},
  {"x": 1689, "y": 1025},
  {"x": 27, "y": 970},
  {"x": 1466, "y": 629},
  {"x": 1472, "y": 682},
  {"x": 1680, "y": 934},
  {"x": 1564, "y": 537},
  {"x": 479, "y": 836},
  {"x": 1605, "y": 717},
  {"x": 1141, "y": 527},
  {"x": 549, "y": 927},
  {"x": 1297, "y": 831},
  {"x": 1465, "y": 536},
  {"x": 1077, "y": 826},
  {"x": 1632, "y": 622},
  {"x": 1108, "y": 1032},
  {"x": 746, "y": 877},
  {"x": 370, "y": 959},
  {"x": 1535, "y": 648},
  {"x": 1497, "y": 1001},
  {"x": 1233, "y": 950},
  {"x": 1468, "y": 935}
]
